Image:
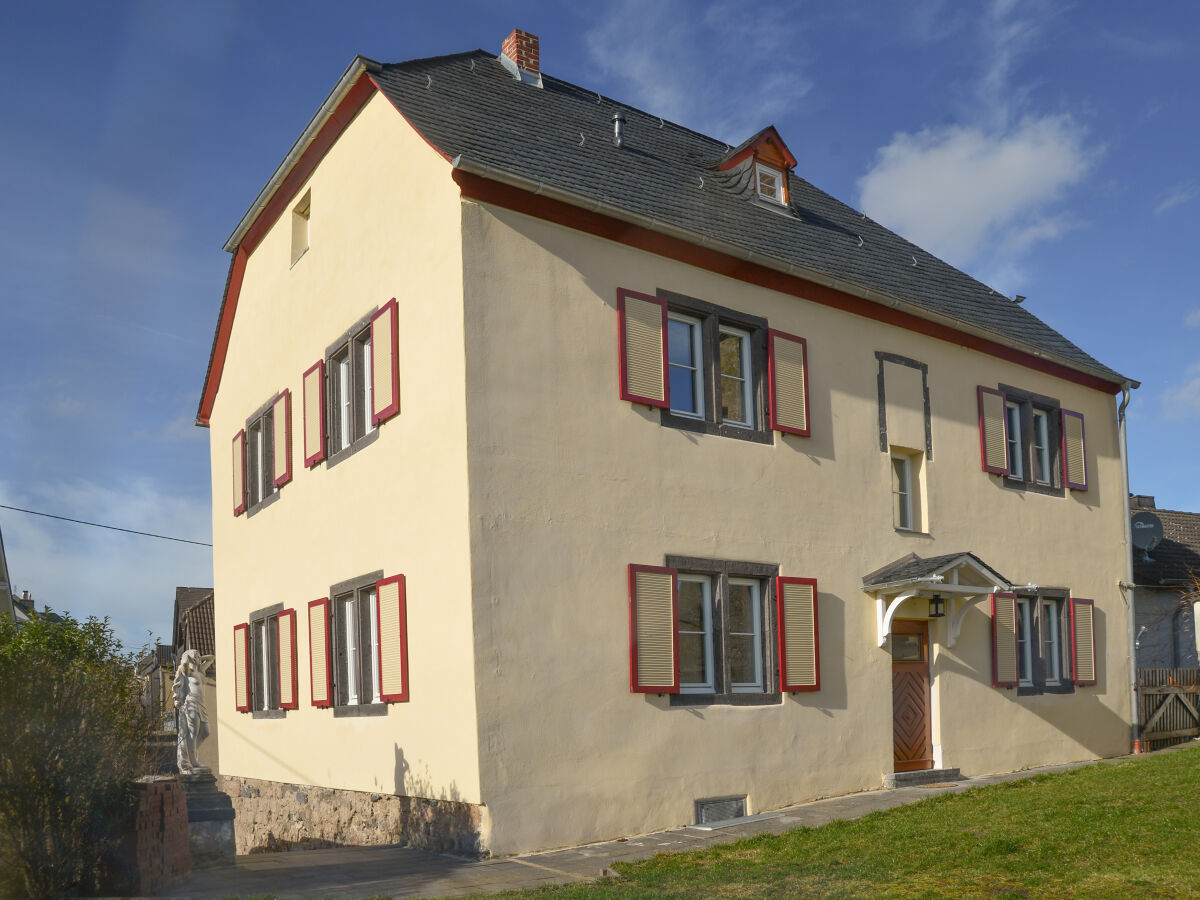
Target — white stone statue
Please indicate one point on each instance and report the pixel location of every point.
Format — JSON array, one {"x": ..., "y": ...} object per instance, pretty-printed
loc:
[{"x": 191, "y": 717}]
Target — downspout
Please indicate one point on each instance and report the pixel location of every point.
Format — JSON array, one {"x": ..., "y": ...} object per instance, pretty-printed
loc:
[{"x": 1126, "y": 584}]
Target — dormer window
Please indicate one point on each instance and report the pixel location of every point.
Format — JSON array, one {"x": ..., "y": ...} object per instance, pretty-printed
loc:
[{"x": 769, "y": 182}]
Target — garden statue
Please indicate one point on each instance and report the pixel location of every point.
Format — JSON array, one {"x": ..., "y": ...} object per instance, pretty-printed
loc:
[{"x": 191, "y": 717}]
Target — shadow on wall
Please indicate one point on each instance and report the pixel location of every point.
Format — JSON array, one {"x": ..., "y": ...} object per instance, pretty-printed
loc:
[
  {"x": 1080, "y": 715},
  {"x": 438, "y": 820},
  {"x": 831, "y": 618}
]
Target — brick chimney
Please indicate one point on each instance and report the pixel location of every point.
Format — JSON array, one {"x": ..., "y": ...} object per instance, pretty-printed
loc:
[{"x": 519, "y": 54}]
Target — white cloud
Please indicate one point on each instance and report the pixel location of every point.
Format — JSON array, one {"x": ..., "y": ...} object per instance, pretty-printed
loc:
[
  {"x": 954, "y": 189},
  {"x": 1183, "y": 401},
  {"x": 1176, "y": 196},
  {"x": 94, "y": 571},
  {"x": 1192, "y": 319},
  {"x": 715, "y": 68}
]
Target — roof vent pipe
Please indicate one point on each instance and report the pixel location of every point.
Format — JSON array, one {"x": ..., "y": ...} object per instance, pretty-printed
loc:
[{"x": 619, "y": 129}]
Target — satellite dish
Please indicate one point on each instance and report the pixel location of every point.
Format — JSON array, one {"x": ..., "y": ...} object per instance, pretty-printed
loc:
[{"x": 1147, "y": 531}]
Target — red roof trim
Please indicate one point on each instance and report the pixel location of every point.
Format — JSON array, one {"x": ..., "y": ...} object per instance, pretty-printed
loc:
[
  {"x": 354, "y": 100},
  {"x": 485, "y": 190},
  {"x": 751, "y": 149}
]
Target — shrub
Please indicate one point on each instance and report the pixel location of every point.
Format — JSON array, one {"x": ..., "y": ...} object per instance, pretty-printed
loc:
[{"x": 72, "y": 739}]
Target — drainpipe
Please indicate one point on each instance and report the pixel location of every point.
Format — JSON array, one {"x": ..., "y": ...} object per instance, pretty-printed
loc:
[{"x": 1126, "y": 584}]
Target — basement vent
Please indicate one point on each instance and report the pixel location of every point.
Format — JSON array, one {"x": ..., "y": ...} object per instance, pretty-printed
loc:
[{"x": 710, "y": 811}]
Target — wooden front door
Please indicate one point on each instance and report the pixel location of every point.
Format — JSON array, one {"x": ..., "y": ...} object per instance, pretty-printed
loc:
[{"x": 910, "y": 696}]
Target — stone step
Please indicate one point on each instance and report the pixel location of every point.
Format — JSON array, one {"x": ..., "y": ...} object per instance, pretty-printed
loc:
[{"x": 894, "y": 780}]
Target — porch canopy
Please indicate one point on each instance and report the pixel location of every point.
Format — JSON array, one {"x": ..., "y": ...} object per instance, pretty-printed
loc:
[{"x": 962, "y": 578}]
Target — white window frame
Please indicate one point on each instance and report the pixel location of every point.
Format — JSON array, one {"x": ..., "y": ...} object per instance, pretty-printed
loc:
[
  {"x": 1025, "y": 641},
  {"x": 697, "y": 364},
  {"x": 761, "y": 169},
  {"x": 350, "y": 605},
  {"x": 758, "y": 685},
  {"x": 709, "y": 686},
  {"x": 904, "y": 493},
  {"x": 260, "y": 458},
  {"x": 349, "y": 390},
  {"x": 1014, "y": 447},
  {"x": 1041, "y": 451},
  {"x": 746, "y": 377},
  {"x": 1051, "y": 636}
]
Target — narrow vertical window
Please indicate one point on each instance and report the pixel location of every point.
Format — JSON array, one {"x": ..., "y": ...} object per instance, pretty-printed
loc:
[
  {"x": 1051, "y": 643},
  {"x": 744, "y": 636},
  {"x": 1016, "y": 469},
  {"x": 695, "y": 635},
  {"x": 687, "y": 387},
  {"x": 300, "y": 215},
  {"x": 339, "y": 401},
  {"x": 1025, "y": 642},
  {"x": 902, "y": 489},
  {"x": 1041, "y": 446},
  {"x": 262, "y": 684},
  {"x": 736, "y": 381},
  {"x": 373, "y": 660},
  {"x": 349, "y": 660}
]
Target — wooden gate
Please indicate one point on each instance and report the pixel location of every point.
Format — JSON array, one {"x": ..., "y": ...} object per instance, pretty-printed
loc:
[{"x": 1167, "y": 706}]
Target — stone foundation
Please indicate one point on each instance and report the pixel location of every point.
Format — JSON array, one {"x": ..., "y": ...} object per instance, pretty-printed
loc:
[{"x": 275, "y": 816}]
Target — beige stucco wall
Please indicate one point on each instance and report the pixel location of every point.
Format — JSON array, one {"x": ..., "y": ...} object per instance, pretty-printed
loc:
[
  {"x": 569, "y": 484},
  {"x": 385, "y": 223}
]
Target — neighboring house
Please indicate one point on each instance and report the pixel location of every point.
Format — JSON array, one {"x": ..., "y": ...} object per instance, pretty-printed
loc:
[
  {"x": 156, "y": 670},
  {"x": 1167, "y": 591},
  {"x": 193, "y": 630},
  {"x": 578, "y": 475}
]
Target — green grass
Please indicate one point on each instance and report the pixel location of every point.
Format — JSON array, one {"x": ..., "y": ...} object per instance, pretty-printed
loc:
[{"x": 1130, "y": 830}]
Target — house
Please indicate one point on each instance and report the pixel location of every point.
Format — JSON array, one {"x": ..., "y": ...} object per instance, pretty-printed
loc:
[
  {"x": 1167, "y": 579},
  {"x": 578, "y": 475},
  {"x": 155, "y": 671}
]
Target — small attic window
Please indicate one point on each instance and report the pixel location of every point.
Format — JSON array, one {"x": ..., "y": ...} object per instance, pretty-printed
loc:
[
  {"x": 769, "y": 182},
  {"x": 300, "y": 226}
]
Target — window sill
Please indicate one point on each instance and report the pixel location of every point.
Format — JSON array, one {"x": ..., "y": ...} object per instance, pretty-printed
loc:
[
  {"x": 1033, "y": 690},
  {"x": 360, "y": 709},
  {"x": 911, "y": 532},
  {"x": 262, "y": 504},
  {"x": 703, "y": 426},
  {"x": 269, "y": 714},
  {"x": 298, "y": 258},
  {"x": 1031, "y": 487},
  {"x": 772, "y": 699},
  {"x": 346, "y": 452}
]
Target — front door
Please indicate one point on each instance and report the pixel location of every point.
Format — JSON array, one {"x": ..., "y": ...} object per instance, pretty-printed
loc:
[{"x": 910, "y": 695}]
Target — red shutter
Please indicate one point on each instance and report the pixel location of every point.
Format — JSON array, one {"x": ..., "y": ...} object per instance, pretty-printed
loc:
[
  {"x": 281, "y": 431},
  {"x": 799, "y": 637},
  {"x": 1074, "y": 451},
  {"x": 320, "y": 656},
  {"x": 1006, "y": 670},
  {"x": 286, "y": 660},
  {"x": 239, "y": 472},
  {"x": 392, "y": 615},
  {"x": 653, "y": 630},
  {"x": 385, "y": 363},
  {"x": 787, "y": 382},
  {"x": 314, "y": 413},
  {"x": 642, "y": 349},
  {"x": 241, "y": 666},
  {"x": 993, "y": 430},
  {"x": 1083, "y": 641}
]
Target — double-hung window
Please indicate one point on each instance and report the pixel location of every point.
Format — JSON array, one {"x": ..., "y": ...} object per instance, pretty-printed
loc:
[
  {"x": 356, "y": 641},
  {"x": 1040, "y": 446},
  {"x": 1044, "y": 665},
  {"x": 1016, "y": 466},
  {"x": 262, "y": 455},
  {"x": 716, "y": 362},
  {"x": 726, "y": 631},
  {"x": 349, "y": 392},
  {"x": 1022, "y": 440}
]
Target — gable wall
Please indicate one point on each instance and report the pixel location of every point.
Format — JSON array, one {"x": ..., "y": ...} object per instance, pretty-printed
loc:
[
  {"x": 570, "y": 484},
  {"x": 384, "y": 223}
]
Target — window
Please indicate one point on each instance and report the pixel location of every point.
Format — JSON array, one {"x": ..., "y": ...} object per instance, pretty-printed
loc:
[
  {"x": 1024, "y": 643},
  {"x": 300, "y": 215},
  {"x": 348, "y": 371},
  {"x": 1033, "y": 446},
  {"x": 1042, "y": 620},
  {"x": 907, "y": 467},
  {"x": 266, "y": 452},
  {"x": 717, "y": 370},
  {"x": 264, "y": 659},
  {"x": 1012, "y": 412},
  {"x": 259, "y": 461},
  {"x": 769, "y": 182},
  {"x": 1052, "y": 656},
  {"x": 725, "y": 630},
  {"x": 1041, "y": 446},
  {"x": 356, "y": 645}
]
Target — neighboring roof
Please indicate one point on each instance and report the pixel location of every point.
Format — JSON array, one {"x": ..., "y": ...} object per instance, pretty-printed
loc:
[
  {"x": 913, "y": 568},
  {"x": 1176, "y": 560},
  {"x": 185, "y": 599},
  {"x": 161, "y": 657},
  {"x": 198, "y": 631},
  {"x": 558, "y": 139}
]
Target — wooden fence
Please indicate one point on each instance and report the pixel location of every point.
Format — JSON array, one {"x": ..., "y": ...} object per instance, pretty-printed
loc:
[{"x": 1167, "y": 706}]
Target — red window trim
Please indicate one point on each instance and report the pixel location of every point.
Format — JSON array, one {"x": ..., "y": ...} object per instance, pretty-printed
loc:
[
  {"x": 773, "y": 333},
  {"x": 402, "y": 696},
  {"x": 1074, "y": 649},
  {"x": 780, "y": 581},
  {"x": 622, "y": 355},
  {"x": 394, "y": 407},
  {"x": 291, "y": 616},
  {"x": 286, "y": 394},
  {"x": 323, "y": 602},
  {"x": 239, "y": 440},
  {"x": 244, "y": 628},
  {"x": 1067, "y": 479},
  {"x": 980, "y": 391},
  {"x": 995, "y": 646},
  {"x": 634, "y": 686},
  {"x": 311, "y": 459}
]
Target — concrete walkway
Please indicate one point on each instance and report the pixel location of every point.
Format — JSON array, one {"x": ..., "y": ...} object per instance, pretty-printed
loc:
[{"x": 359, "y": 872}]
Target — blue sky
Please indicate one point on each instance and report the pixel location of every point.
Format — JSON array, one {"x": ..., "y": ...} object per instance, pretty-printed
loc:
[{"x": 1047, "y": 148}]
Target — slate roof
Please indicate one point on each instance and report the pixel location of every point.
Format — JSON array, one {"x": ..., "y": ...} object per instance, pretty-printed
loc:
[
  {"x": 469, "y": 105},
  {"x": 1177, "y": 557},
  {"x": 912, "y": 567}
]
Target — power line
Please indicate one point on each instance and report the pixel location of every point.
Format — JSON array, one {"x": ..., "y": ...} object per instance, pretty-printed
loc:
[{"x": 163, "y": 537}]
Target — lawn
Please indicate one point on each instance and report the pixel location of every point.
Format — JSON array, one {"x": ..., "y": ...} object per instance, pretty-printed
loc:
[{"x": 1127, "y": 829}]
